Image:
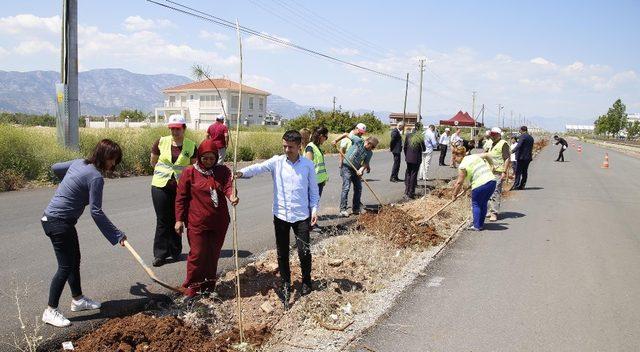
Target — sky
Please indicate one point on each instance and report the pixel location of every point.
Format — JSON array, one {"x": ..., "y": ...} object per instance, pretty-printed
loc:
[{"x": 557, "y": 59}]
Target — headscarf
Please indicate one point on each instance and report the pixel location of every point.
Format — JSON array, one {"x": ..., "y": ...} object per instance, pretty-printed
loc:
[{"x": 207, "y": 146}]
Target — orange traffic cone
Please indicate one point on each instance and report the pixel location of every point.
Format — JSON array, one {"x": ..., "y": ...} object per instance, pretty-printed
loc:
[
  {"x": 605, "y": 164},
  {"x": 579, "y": 149}
]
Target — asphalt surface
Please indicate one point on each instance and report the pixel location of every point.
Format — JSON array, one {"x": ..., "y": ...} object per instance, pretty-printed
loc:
[
  {"x": 559, "y": 272},
  {"x": 110, "y": 274}
]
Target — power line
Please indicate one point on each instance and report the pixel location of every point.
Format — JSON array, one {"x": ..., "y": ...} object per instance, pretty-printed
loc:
[{"x": 228, "y": 24}]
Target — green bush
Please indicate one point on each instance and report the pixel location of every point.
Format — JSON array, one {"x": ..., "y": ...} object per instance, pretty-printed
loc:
[{"x": 337, "y": 122}]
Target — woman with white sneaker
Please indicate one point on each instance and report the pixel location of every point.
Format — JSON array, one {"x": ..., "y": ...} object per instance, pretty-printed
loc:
[{"x": 82, "y": 184}]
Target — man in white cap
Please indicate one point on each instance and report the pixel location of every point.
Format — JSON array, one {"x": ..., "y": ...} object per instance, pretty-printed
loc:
[
  {"x": 219, "y": 132},
  {"x": 500, "y": 153},
  {"x": 487, "y": 142},
  {"x": 444, "y": 144},
  {"x": 359, "y": 130}
]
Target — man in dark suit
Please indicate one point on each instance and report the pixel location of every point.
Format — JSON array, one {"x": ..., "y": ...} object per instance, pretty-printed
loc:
[
  {"x": 395, "y": 146},
  {"x": 413, "y": 157},
  {"x": 524, "y": 155}
]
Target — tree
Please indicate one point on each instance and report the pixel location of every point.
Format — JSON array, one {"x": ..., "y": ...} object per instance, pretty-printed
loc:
[
  {"x": 614, "y": 121},
  {"x": 633, "y": 130},
  {"x": 336, "y": 122},
  {"x": 132, "y": 115}
]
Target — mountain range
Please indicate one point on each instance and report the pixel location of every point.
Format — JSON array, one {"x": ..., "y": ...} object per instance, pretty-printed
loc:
[{"x": 108, "y": 91}]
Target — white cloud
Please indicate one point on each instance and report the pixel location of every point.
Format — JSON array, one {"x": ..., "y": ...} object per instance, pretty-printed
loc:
[
  {"x": 344, "y": 51},
  {"x": 258, "y": 80},
  {"x": 137, "y": 23},
  {"x": 256, "y": 42},
  {"x": 542, "y": 61},
  {"x": 312, "y": 89},
  {"x": 35, "y": 46},
  {"x": 219, "y": 37},
  {"x": 28, "y": 23}
]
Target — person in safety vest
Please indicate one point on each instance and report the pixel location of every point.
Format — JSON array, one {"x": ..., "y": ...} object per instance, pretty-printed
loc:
[
  {"x": 201, "y": 206},
  {"x": 500, "y": 153},
  {"x": 476, "y": 170},
  {"x": 313, "y": 152},
  {"x": 169, "y": 156}
]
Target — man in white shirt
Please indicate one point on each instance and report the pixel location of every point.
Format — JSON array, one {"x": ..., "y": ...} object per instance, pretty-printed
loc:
[
  {"x": 295, "y": 205},
  {"x": 444, "y": 144},
  {"x": 430, "y": 144}
]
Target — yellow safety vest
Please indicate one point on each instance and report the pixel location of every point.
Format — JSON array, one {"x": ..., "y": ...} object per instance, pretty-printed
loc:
[
  {"x": 165, "y": 169},
  {"x": 478, "y": 170},
  {"x": 318, "y": 162},
  {"x": 496, "y": 156}
]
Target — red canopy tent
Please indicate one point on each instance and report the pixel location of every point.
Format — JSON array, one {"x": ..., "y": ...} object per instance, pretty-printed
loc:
[{"x": 461, "y": 119}]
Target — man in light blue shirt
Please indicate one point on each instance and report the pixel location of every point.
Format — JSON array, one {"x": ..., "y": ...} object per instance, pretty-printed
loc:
[
  {"x": 295, "y": 205},
  {"x": 430, "y": 143}
]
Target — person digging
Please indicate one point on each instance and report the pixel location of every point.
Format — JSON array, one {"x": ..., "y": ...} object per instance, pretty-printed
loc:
[
  {"x": 358, "y": 156},
  {"x": 295, "y": 206}
]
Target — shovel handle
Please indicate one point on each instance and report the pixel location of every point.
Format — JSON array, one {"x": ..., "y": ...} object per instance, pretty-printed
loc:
[
  {"x": 150, "y": 272},
  {"x": 443, "y": 207},
  {"x": 363, "y": 179}
]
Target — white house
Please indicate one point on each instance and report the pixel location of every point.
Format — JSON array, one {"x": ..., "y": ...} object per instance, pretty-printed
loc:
[{"x": 200, "y": 103}]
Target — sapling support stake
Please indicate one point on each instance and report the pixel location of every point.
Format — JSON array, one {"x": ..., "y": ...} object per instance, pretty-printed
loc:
[{"x": 235, "y": 193}]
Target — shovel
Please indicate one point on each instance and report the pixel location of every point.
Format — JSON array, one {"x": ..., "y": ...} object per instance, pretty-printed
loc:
[
  {"x": 423, "y": 222},
  {"x": 363, "y": 179},
  {"x": 150, "y": 272}
]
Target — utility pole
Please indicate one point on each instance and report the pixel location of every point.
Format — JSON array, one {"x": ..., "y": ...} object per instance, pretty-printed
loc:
[
  {"x": 67, "y": 91},
  {"x": 333, "y": 112},
  {"x": 473, "y": 112},
  {"x": 500, "y": 107},
  {"x": 511, "y": 120},
  {"x": 420, "y": 91},
  {"x": 406, "y": 90},
  {"x": 482, "y": 111}
]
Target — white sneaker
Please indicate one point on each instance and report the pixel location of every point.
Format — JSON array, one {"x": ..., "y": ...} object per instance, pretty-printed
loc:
[
  {"x": 344, "y": 214},
  {"x": 84, "y": 303},
  {"x": 53, "y": 317}
]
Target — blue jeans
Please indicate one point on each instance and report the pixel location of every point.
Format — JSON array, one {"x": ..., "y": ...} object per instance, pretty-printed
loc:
[
  {"x": 350, "y": 176},
  {"x": 479, "y": 202}
]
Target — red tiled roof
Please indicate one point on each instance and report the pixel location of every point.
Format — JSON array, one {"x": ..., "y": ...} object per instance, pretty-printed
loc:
[{"x": 221, "y": 83}]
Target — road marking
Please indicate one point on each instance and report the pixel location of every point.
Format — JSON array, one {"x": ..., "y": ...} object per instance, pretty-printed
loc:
[{"x": 435, "y": 281}]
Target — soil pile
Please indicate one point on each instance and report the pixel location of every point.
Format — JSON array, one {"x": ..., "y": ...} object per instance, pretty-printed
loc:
[{"x": 399, "y": 228}]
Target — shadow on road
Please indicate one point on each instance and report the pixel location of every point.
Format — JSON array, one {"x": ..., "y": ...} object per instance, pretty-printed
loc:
[
  {"x": 228, "y": 253},
  {"x": 511, "y": 215},
  {"x": 533, "y": 188},
  {"x": 492, "y": 226}
]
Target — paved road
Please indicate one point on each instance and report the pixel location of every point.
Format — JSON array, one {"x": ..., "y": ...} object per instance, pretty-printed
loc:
[
  {"x": 110, "y": 274},
  {"x": 560, "y": 273}
]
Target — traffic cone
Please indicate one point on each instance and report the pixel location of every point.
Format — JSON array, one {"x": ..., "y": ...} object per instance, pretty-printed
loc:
[
  {"x": 605, "y": 164},
  {"x": 579, "y": 149}
]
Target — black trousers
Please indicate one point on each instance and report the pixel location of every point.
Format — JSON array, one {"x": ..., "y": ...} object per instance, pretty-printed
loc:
[
  {"x": 522, "y": 172},
  {"x": 561, "y": 154},
  {"x": 166, "y": 242},
  {"x": 396, "y": 166},
  {"x": 411, "y": 179},
  {"x": 64, "y": 239},
  {"x": 443, "y": 153},
  {"x": 321, "y": 187},
  {"x": 301, "y": 231}
]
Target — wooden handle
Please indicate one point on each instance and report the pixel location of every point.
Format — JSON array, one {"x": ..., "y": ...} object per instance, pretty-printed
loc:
[
  {"x": 443, "y": 207},
  {"x": 363, "y": 179},
  {"x": 150, "y": 272}
]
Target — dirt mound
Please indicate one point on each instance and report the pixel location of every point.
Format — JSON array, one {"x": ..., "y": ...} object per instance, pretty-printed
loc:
[
  {"x": 142, "y": 332},
  {"x": 442, "y": 192},
  {"x": 399, "y": 228}
]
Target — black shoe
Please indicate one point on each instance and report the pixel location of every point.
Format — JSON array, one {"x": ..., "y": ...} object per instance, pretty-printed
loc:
[
  {"x": 158, "y": 262},
  {"x": 306, "y": 289}
]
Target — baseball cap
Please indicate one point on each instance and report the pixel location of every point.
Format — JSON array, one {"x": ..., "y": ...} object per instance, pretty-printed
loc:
[
  {"x": 176, "y": 120},
  {"x": 361, "y": 127},
  {"x": 220, "y": 117},
  {"x": 447, "y": 129},
  {"x": 496, "y": 130}
]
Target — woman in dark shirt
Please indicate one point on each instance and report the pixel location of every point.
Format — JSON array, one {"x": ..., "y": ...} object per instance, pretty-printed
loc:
[
  {"x": 201, "y": 205},
  {"x": 82, "y": 184}
]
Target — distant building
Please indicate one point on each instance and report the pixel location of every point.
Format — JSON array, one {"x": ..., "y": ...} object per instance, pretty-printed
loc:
[
  {"x": 633, "y": 117},
  {"x": 579, "y": 128},
  {"x": 409, "y": 119},
  {"x": 200, "y": 103}
]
